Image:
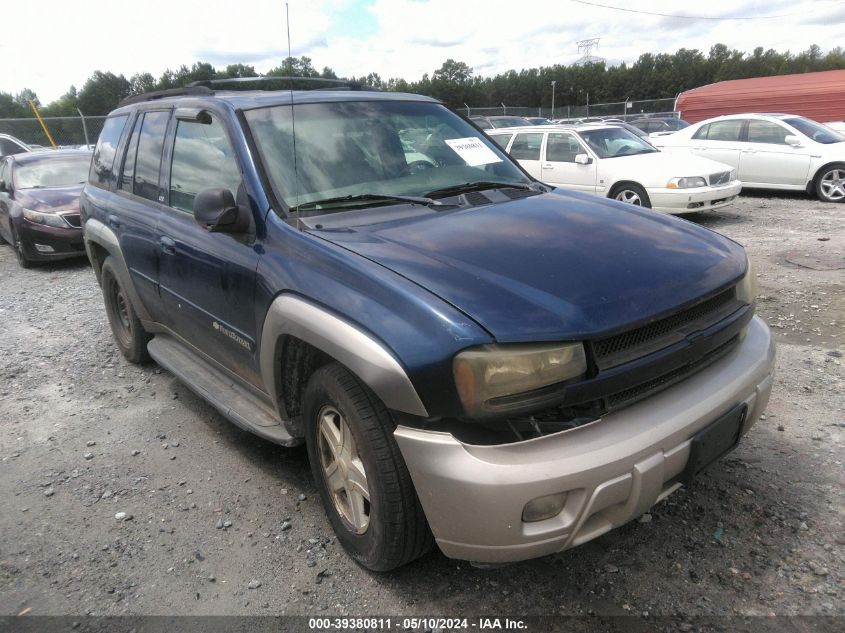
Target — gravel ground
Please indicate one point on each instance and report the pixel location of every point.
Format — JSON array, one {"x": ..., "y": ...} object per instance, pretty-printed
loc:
[{"x": 123, "y": 493}]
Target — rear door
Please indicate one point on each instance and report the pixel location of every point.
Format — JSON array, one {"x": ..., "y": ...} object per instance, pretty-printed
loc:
[
  {"x": 525, "y": 148},
  {"x": 559, "y": 167},
  {"x": 134, "y": 211},
  {"x": 207, "y": 278},
  {"x": 719, "y": 140},
  {"x": 766, "y": 158}
]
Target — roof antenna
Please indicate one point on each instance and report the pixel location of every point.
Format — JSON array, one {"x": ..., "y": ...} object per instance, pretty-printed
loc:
[{"x": 293, "y": 123}]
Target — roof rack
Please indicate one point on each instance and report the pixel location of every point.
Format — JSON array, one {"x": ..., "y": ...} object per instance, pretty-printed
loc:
[
  {"x": 208, "y": 83},
  {"x": 191, "y": 90},
  {"x": 204, "y": 87}
]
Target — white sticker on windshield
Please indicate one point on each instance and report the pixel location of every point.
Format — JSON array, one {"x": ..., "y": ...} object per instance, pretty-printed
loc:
[{"x": 473, "y": 151}]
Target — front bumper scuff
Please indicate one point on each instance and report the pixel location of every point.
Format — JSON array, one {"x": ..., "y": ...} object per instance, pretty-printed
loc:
[{"x": 614, "y": 469}]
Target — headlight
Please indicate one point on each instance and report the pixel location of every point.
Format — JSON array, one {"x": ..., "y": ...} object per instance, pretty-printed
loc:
[
  {"x": 746, "y": 289},
  {"x": 493, "y": 371},
  {"x": 49, "y": 219},
  {"x": 688, "y": 182}
]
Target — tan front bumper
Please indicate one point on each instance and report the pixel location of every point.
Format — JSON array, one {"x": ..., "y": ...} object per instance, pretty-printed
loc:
[{"x": 614, "y": 469}]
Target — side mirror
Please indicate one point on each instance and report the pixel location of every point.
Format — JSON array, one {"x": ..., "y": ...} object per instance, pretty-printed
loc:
[
  {"x": 4, "y": 188},
  {"x": 792, "y": 140},
  {"x": 583, "y": 159},
  {"x": 217, "y": 210}
]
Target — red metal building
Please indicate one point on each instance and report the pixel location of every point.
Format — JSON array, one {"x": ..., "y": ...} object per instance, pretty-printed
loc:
[{"x": 819, "y": 96}]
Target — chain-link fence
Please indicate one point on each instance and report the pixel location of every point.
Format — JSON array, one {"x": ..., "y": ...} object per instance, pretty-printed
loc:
[
  {"x": 65, "y": 131},
  {"x": 624, "y": 110}
]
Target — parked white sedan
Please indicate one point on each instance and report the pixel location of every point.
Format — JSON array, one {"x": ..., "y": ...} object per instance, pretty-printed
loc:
[
  {"x": 769, "y": 151},
  {"x": 608, "y": 160}
]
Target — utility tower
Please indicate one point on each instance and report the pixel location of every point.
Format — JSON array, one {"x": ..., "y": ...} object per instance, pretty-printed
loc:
[{"x": 585, "y": 48}]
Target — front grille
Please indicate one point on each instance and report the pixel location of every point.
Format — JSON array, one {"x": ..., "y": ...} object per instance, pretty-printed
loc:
[
  {"x": 620, "y": 348},
  {"x": 73, "y": 219},
  {"x": 721, "y": 178},
  {"x": 632, "y": 394}
]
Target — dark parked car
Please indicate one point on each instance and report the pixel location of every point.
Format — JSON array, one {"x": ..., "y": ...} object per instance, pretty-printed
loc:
[
  {"x": 39, "y": 204},
  {"x": 10, "y": 145},
  {"x": 490, "y": 122},
  {"x": 471, "y": 357},
  {"x": 665, "y": 125}
]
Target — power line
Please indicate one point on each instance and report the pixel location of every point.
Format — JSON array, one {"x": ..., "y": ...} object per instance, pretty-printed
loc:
[{"x": 693, "y": 17}]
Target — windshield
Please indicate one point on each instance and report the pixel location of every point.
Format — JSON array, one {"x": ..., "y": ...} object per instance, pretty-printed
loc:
[
  {"x": 610, "y": 142},
  {"x": 356, "y": 148},
  {"x": 53, "y": 171},
  {"x": 816, "y": 131}
]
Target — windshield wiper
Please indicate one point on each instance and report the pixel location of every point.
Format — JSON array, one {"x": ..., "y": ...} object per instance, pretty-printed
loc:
[
  {"x": 479, "y": 185},
  {"x": 312, "y": 205}
]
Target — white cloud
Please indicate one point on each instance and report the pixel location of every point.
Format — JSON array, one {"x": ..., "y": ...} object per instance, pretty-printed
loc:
[{"x": 65, "y": 43}]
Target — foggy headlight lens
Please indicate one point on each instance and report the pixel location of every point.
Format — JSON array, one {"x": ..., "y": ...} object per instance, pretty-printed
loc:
[
  {"x": 48, "y": 219},
  {"x": 746, "y": 289},
  {"x": 492, "y": 371},
  {"x": 686, "y": 183}
]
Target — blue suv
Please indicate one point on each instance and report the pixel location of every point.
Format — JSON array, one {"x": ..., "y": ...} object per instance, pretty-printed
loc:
[{"x": 472, "y": 358}]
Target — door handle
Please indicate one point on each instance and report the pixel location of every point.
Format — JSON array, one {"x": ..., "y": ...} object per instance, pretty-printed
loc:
[
  {"x": 749, "y": 151},
  {"x": 548, "y": 166},
  {"x": 114, "y": 222},
  {"x": 168, "y": 245}
]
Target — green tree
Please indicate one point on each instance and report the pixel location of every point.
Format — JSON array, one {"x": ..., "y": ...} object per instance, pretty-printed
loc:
[{"x": 102, "y": 92}]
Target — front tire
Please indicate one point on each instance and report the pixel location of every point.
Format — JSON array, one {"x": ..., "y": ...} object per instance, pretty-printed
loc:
[
  {"x": 129, "y": 334},
  {"x": 20, "y": 255},
  {"x": 830, "y": 183},
  {"x": 632, "y": 194},
  {"x": 363, "y": 481}
]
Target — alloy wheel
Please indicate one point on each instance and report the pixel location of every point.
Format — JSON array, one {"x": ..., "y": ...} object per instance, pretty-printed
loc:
[
  {"x": 343, "y": 470},
  {"x": 833, "y": 184},
  {"x": 631, "y": 197}
]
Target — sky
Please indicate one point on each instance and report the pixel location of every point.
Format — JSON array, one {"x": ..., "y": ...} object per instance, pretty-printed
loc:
[{"x": 67, "y": 41}]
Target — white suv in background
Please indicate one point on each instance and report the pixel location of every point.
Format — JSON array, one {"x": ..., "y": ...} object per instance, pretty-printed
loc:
[
  {"x": 769, "y": 151},
  {"x": 610, "y": 161}
]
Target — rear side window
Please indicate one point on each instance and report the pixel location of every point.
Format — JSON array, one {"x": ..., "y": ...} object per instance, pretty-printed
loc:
[
  {"x": 527, "y": 146},
  {"x": 148, "y": 156},
  {"x": 103, "y": 160},
  {"x": 720, "y": 131},
  {"x": 203, "y": 158}
]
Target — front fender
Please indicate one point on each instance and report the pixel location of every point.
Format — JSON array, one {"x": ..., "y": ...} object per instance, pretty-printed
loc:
[{"x": 368, "y": 359}]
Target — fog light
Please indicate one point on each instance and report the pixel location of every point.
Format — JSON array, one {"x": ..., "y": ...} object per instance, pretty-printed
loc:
[
  {"x": 43, "y": 248},
  {"x": 543, "y": 507}
]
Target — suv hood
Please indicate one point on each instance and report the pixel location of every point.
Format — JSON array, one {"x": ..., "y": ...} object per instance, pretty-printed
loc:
[{"x": 553, "y": 266}]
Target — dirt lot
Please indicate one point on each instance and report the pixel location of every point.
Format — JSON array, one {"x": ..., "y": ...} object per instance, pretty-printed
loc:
[{"x": 84, "y": 436}]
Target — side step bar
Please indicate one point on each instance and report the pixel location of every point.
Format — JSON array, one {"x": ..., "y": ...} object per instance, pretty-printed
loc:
[{"x": 238, "y": 404}]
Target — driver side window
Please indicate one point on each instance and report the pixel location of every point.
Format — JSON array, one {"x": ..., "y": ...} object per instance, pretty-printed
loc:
[{"x": 203, "y": 158}]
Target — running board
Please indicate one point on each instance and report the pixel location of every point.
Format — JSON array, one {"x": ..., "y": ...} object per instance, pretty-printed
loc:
[{"x": 242, "y": 407}]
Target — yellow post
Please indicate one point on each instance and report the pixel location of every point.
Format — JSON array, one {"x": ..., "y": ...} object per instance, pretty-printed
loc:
[{"x": 41, "y": 121}]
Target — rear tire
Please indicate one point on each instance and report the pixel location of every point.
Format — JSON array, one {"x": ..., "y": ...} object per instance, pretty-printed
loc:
[
  {"x": 363, "y": 481},
  {"x": 632, "y": 194},
  {"x": 129, "y": 334},
  {"x": 830, "y": 183}
]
